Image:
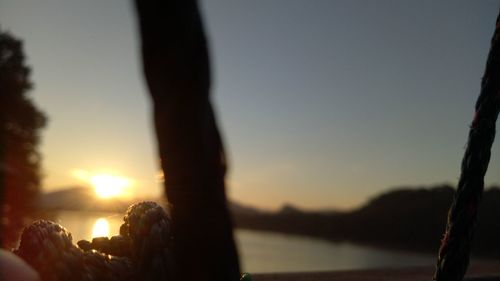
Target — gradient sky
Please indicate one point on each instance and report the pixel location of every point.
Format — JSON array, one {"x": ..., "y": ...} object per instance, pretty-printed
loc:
[{"x": 322, "y": 103}]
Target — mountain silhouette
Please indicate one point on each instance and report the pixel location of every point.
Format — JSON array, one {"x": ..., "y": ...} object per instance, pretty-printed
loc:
[
  {"x": 81, "y": 199},
  {"x": 409, "y": 218},
  {"x": 403, "y": 218}
]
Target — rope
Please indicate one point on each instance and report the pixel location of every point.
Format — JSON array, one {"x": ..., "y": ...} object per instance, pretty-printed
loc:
[
  {"x": 177, "y": 71},
  {"x": 141, "y": 252},
  {"x": 453, "y": 258}
]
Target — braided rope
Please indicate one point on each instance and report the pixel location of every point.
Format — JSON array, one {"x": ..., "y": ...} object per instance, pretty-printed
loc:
[
  {"x": 453, "y": 258},
  {"x": 142, "y": 251}
]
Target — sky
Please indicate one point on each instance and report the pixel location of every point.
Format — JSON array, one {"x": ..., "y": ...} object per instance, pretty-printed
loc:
[{"x": 322, "y": 104}]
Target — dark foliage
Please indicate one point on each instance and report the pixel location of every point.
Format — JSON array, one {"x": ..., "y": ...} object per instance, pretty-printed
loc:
[{"x": 20, "y": 125}]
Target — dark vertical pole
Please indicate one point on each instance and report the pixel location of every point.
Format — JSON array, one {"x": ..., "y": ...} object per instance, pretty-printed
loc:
[
  {"x": 453, "y": 257},
  {"x": 3, "y": 181},
  {"x": 176, "y": 66}
]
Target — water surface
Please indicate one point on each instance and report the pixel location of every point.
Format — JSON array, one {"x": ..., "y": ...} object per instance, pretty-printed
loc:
[{"x": 267, "y": 252}]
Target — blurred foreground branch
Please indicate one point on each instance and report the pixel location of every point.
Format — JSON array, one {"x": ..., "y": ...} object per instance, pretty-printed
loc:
[{"x": 176, "y": 66}]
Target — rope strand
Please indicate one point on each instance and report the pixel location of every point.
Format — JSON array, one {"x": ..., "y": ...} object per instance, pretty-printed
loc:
[{"x": 454, "y": 252}]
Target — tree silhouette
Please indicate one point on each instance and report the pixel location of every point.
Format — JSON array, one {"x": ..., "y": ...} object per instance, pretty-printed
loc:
[{"x": 20, "y": 125}]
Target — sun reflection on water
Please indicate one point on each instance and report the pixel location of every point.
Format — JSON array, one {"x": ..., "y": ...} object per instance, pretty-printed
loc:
[{"x": 101, "y": 228}]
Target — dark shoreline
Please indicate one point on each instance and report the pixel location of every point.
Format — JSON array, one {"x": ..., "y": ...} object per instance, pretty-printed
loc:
[
  {"x": 405, "y": 219},
  {"x": 402, "y": 219}
]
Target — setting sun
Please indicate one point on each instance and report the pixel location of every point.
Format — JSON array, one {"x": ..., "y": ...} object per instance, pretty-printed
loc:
[{"x": 107, "y": 186}]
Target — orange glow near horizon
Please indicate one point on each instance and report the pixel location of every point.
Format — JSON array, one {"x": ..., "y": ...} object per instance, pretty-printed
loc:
[{"x": 106, "y": 185}]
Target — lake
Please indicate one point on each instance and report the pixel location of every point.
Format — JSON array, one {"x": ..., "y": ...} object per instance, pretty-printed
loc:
[{"x": 267, "y": 252}]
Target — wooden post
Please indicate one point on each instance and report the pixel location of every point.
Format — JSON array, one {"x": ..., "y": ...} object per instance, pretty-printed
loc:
[{"x": 177, "y": 70}]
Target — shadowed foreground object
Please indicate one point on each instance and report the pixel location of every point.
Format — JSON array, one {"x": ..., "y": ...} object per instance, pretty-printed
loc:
[
  {"x": 13, "y": 268},
  {"x": 177, "y": 71},
  {"x": 140, "y": 252},
  {"x": 454, "y": 253}
]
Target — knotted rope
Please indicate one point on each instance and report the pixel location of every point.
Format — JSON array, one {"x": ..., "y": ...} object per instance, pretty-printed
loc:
[
  {"x": 142, "y": 251},
  {"x": 453, "y": 258}
]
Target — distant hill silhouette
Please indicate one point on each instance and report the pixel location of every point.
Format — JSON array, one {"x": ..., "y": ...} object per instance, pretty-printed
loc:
[
  {"x": 404, "y": 218},
  {"x": 81, "y": 199}
]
